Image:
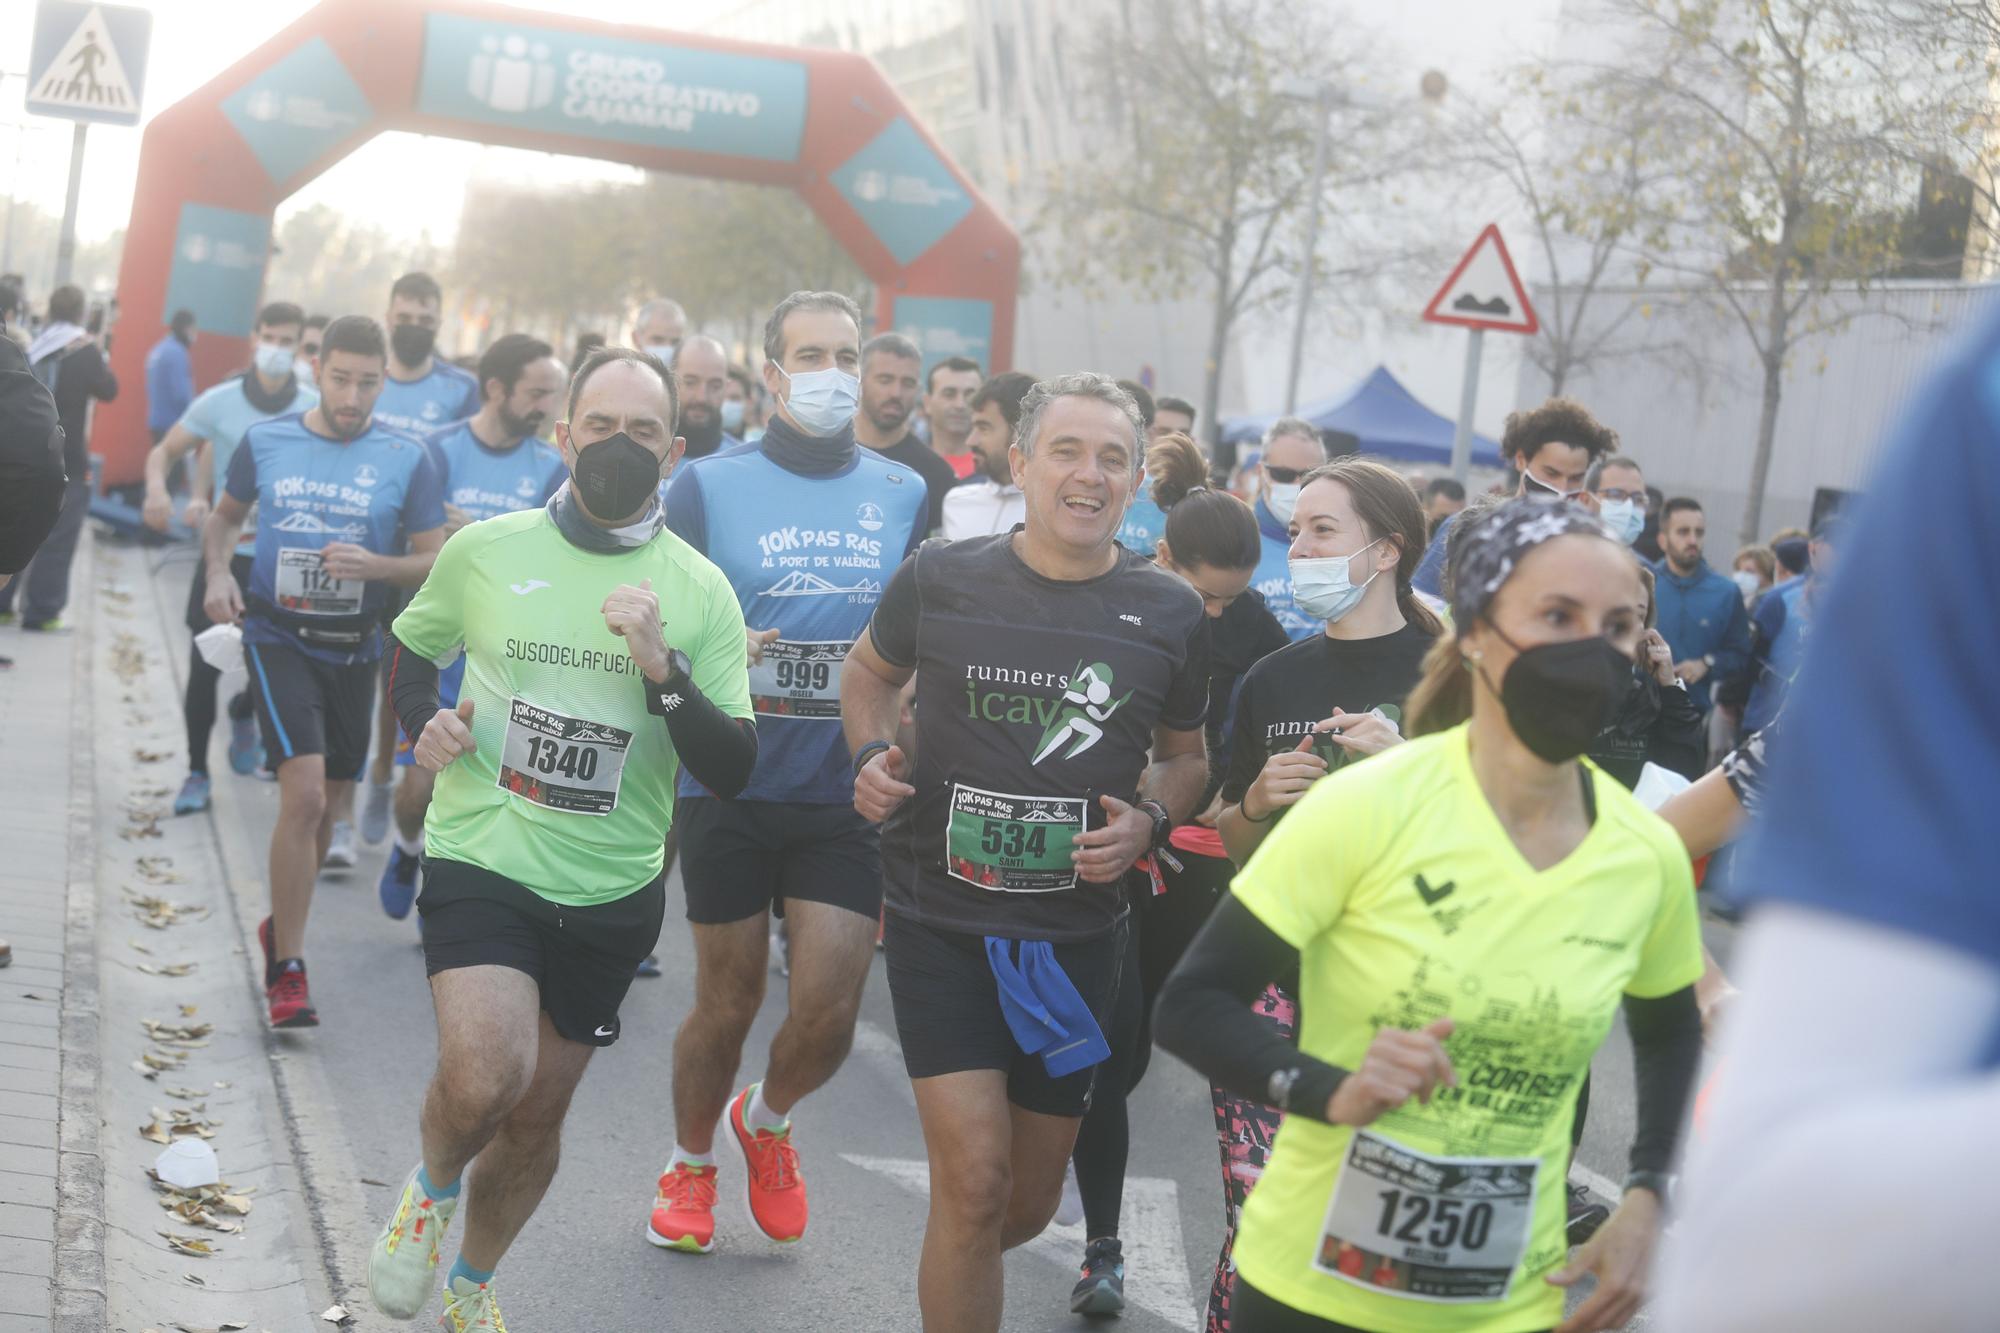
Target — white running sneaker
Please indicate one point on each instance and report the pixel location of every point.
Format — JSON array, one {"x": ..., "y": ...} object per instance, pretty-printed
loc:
[
  {"x": 340, "y": 849},
  {"x": 402, "y": 1266}
]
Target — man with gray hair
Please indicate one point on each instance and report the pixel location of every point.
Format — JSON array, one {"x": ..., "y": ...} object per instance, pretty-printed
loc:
[
  {"x": 659, "y": 327},
  {"x": 890, "y": 366},
  {"x": 807, "y": 527},
  {"x": 1061, "y": 686},
  {"x": 1292, "y": 447}
]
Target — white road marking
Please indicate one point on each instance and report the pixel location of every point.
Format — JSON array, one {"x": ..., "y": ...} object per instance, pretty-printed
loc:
[{"x": 1155, "y": 1257}]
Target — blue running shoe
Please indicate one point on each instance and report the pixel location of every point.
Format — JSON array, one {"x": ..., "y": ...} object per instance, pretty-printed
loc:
[
  {"x": 246, "y": 752},
  {"x": 398, "y": 887},
  {"x": 194, "y": 795},
  {"x": 1100, "y": 1290}
]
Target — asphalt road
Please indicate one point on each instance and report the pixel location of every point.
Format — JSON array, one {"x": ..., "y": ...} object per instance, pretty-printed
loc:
[{"x": 583, "y": 1261}]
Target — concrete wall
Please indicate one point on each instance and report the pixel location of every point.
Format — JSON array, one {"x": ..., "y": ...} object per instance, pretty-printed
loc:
[{"x": 1684, "y": 389}]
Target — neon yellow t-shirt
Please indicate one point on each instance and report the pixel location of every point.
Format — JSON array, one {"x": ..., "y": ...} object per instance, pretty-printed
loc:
[
  {"x": 570, "y": 789},
  {"x": 1408, "y": 902}
]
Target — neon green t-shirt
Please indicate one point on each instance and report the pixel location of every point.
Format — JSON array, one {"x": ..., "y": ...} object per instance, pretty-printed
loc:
[
  {"x": 1407, "y": 903},
  {"x": 570, "y": 789}
]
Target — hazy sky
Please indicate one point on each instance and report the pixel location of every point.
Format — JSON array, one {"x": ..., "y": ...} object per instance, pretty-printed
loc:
[{"x": 194, "y": 40}]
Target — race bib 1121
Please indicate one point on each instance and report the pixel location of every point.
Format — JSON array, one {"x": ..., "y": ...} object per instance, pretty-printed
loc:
[{"x": 306, "y": 589}]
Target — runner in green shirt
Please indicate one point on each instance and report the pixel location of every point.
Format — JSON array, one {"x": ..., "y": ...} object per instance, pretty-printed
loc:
[{"x": 601, "y": 654}]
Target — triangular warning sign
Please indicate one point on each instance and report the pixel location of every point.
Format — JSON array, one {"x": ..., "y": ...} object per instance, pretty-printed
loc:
[
  {"x": 1484, "y": 292},
  {"x": 86, "y": 74}
]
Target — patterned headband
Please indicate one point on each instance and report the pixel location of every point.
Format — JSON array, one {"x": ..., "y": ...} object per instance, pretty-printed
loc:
[{"x": 1502, "y": 535}]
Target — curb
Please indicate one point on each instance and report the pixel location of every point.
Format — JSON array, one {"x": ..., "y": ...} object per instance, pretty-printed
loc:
[{"x": 77, "y": 1290}]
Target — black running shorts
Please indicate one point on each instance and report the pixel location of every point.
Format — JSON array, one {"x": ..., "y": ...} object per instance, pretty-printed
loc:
[
  {"x": 306, "y": 706},
  {"x": 740, "y": 858},
  {"x": 948, "y": 1009},
  {"x": 582, "y": 958}
]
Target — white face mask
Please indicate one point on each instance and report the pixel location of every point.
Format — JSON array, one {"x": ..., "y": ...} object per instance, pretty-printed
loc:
[
  {"x": 1324, "y": 586},
  {"x": 273, "y": 362},
  {"x": 1281, "y": 498},
  {"x": 1747, "y": 582},
  {"x": 822, "y": 401},
  {"x": 1625, "y": 519},
  {"x": 663, "y": 351}
]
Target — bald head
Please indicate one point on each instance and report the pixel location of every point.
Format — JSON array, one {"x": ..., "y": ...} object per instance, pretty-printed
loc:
[
  {"x": 660, "y": 324},
  {"x": 702, "y": 369}
]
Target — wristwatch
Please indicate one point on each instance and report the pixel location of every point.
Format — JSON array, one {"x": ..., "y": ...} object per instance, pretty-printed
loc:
[
  {"x": 1659, "y": 1182},
  {"x": 669, "y": 694},
  {"x": 1163, "y": 823},
  {"x": 1708, "y": 660}
]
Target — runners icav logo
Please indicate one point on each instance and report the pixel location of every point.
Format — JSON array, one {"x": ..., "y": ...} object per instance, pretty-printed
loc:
[
  {"x": 512, "y": 74},
  {"x": 869, "y": 516},
  {"x": 1086, "y": 706}
]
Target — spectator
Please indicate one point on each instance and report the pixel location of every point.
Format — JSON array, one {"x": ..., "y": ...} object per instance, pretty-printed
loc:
[
  {"x": 948, "y": 391},
  {"x": 658, "y": 328},
  {"x": 69, "y": 365},
  {"x": 1648, "y": 545},
  {"x": 1701, "y": 611},
  {"x": 1443, "y": 497},
  {"x": 891, "y": 368},
  {"x": 1552, "y": 447},
  {"x": 1783, "y": 623},
  {"x": 170, "y": 376},
  {"x": 31, "y": 451},
  {"x": 1145, "y": 522},
  {"x": 1755, "y": 569},
  {"x": 1789, "y": 546},
  {"x": 1622, "y": 499},
  {"x": 1658, "y": 723},
  {"x": 1172, "y": 416}
]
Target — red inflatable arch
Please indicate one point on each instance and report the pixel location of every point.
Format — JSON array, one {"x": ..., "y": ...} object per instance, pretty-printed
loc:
[{"x": 214, "y": 167}]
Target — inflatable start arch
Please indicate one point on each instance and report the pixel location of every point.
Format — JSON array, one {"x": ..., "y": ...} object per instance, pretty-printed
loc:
[{"x": 214, "y": 168}]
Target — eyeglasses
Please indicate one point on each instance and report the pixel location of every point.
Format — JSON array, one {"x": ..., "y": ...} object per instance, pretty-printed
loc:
[
  {"x": 1284, "y": 476},
  {"x": 1616, "y": 493}
]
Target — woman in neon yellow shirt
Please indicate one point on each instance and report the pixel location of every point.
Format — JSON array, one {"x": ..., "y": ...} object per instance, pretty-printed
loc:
[{"x": 1467, "y": 913}]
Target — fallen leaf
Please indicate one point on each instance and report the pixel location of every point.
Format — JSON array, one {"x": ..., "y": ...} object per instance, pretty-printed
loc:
[
  {"x": 168, "y": 970},
  {"x": 188, "y": 1011},
  {"x": 146, "y": 756},
  {"x": 193, "y": 1245},
  {"x": 157, "y": 870},
  {"x": 155, "y": 1132},
  {"x": 367, "y": 1180},
  {"x": 134, "y": 944},
  {"x": 190, "y": 1277},
  {"x": 30, "y": 995}
]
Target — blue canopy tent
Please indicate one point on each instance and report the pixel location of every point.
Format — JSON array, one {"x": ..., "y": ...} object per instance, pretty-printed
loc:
[{"x": 1381, "y": 417}]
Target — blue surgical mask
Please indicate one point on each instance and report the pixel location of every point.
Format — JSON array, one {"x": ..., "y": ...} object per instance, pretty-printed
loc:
[
  {"x": 1625, "y": 519},
  {"x": 1324, "y": 586},
  {"x": 822, "y": 401},
  {"x": 732, "y": 415},
  {"x": 273, "y": 362}
]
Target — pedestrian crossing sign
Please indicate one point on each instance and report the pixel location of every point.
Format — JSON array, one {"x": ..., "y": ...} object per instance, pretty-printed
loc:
[{"x": 88, "y": 61}]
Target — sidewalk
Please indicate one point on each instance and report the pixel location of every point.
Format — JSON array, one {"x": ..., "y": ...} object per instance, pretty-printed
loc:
[{"x": 51, "y": 1179}]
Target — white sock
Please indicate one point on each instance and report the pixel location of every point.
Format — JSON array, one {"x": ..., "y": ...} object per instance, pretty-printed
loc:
[
  {"x": 683, "y": 1156},
  {"x": 759, "y": 1116},
  {"x": 410, "y": 846}
]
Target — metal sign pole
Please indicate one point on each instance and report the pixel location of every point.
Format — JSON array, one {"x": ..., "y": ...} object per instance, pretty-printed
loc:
[
  {"x": 66, "y": 246},
  {"x": 1461, "y": 438}
]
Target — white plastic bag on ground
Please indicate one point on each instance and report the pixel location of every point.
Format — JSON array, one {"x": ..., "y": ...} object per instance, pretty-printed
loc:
[{"x": 188, "y": 1164}]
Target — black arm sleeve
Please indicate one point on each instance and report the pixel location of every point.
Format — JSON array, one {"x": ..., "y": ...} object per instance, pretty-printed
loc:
[
  {"x": 1679, "y": 740},
  {"x": 717, "y": 750},
  {"x": 413, "y": 687},
  {"x": 1204, "y": 1016},
  {"x": 1666, "y": 1056}
]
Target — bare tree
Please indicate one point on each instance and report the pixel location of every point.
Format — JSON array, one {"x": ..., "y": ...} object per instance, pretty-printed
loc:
[
  {"x": 1208, "y": 160},
  {"x": 1776, "y": 188}
]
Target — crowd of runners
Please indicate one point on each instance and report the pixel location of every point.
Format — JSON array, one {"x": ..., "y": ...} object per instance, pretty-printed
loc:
[{"x": 1374, "y": 806}]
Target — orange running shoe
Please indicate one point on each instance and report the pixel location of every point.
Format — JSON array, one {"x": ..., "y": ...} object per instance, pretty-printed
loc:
[
  {"x": 684, "y": 1210},
  {"x": 773, "y": 1190}
]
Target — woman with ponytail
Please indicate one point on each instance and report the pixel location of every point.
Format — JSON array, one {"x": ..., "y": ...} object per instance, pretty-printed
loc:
[
  {"x": 1210, "y": 541},
  {"x": 1466, "y": 915}
]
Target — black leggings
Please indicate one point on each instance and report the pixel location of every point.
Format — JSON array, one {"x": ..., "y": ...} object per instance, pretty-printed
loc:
[
  {"x": 1257, "y": 1313},
  {"x": 1163, "y": 926},
  {"x": 199, "y": 709}
]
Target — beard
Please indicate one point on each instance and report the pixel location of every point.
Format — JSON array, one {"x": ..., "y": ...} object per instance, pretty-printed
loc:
[
  {"x": 520, "y": 428},
  {"x": 702, "y": 429}
]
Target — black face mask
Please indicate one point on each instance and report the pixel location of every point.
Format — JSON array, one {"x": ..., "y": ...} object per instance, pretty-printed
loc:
[
  {"x": 412, "y": 342},
  {"x": 1560, "y": 696},
  {"x": 616, "y": 477}
]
